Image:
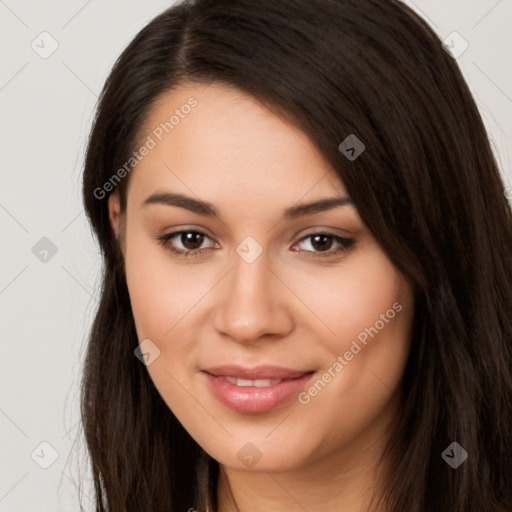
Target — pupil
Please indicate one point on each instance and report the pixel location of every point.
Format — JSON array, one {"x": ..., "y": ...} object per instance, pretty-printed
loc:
[
  {"x": 192, "y": 240},
  {"x": 324, "y": 244}
]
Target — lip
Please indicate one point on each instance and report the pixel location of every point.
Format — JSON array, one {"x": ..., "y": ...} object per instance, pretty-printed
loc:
[
  {"x": 256, "y": 372},
  {"x": 255, "y": 399}
]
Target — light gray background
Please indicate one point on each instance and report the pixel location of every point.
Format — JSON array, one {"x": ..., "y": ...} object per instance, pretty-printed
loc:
[{"x": 46, "y": 308}]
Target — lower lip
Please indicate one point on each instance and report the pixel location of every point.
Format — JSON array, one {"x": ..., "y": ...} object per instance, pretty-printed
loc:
[{"x": 252, "y": 399}]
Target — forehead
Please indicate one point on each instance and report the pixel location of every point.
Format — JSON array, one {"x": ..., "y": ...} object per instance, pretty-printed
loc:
[{"x": 218, "y": 142}]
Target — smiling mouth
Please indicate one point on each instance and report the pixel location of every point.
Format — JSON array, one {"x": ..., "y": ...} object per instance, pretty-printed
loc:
[{"x": 255, "y": 390}]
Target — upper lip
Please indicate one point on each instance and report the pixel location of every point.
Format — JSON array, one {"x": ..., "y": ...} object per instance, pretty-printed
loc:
[{"x": 255, "y": 372}]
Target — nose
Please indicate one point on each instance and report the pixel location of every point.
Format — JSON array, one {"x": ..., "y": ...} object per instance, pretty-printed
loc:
[{"x": 252, "y": 303}]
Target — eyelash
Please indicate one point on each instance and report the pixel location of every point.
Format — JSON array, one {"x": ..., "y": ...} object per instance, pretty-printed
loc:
[{"x": 345, "y": 243}]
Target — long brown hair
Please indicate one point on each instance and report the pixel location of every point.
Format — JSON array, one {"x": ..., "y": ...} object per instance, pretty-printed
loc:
[{"x": 427, "y": 186}]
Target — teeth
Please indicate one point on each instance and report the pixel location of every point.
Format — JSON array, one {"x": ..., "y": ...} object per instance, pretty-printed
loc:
[{"x": 259, "y": 383}]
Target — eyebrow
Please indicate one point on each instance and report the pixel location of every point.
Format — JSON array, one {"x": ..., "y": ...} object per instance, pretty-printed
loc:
[{"x": 205, "y": 208}]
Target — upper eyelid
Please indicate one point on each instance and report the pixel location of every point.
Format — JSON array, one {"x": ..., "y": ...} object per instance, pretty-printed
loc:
[{"x": 345, "y": 233}]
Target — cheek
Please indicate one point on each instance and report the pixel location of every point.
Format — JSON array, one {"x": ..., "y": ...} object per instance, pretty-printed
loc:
[
  {"x": 160, "y": 297},
  {"x": 371, "y": 311},
  {"x": 163, "y": 299},
  {"x": 352, "y": 297},
  {"x": 368, "y": 306}
]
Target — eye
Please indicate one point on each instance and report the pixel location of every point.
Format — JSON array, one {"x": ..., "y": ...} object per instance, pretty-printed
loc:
[
  {"x": 191, "y": 242},
  {"x": 322, "y": 243}
]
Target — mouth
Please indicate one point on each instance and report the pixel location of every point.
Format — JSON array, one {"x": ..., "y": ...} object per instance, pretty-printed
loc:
[
  {"x": 258, "y": 383},
  {"x": 255, "y": 390}
]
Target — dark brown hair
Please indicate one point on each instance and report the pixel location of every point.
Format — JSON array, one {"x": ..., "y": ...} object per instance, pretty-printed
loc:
[{"x": 427, "y": 186}]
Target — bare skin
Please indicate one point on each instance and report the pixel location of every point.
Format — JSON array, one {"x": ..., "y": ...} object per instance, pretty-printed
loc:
[{"x": 301, "y": 304}]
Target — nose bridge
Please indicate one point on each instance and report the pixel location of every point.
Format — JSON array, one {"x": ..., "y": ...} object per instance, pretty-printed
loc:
[{"x": 252, "y": 302}]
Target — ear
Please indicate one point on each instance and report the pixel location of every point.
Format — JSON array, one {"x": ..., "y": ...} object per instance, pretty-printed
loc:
[{"x": 114, "y": 212}]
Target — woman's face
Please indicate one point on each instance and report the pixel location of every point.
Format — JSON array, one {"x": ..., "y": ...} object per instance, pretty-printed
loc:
[{"x": 298, "y": 307}]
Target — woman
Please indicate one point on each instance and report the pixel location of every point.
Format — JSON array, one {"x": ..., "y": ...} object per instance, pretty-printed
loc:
[{"x": 307, "y": 246}]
